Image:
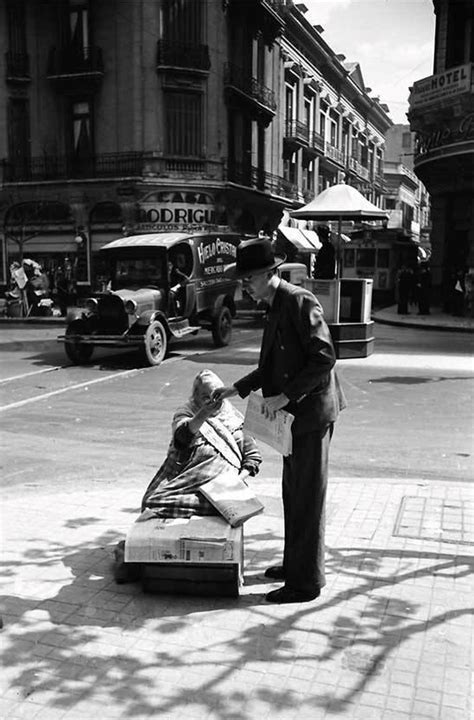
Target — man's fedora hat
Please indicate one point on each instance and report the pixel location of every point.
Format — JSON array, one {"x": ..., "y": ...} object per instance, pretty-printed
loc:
[{"x": 254, "y": 256}]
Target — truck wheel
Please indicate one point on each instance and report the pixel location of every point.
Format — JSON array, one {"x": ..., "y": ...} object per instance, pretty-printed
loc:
[
  {"x": 222, "y": 327},
  {"x": 77, "y": 351},
  {"x": 156, "y": 343}
]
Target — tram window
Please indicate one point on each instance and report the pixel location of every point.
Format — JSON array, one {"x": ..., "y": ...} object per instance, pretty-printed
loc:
[
  {"x": 366, "y": 258},
  {"x": 383, "y": 258},
  {"x": 349, "y": 258}
]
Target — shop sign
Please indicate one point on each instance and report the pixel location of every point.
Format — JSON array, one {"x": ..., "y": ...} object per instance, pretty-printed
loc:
[
  {"x": 174, "y": 217},
  {"x": 443, "y": 86},
  {"x": 463, "y": 131}
]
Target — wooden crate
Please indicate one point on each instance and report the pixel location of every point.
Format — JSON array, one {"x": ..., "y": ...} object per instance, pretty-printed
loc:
[{"x": 188, "y": 578}]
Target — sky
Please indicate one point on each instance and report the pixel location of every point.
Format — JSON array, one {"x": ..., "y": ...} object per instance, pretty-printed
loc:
[{"x": 392, "y": 40}]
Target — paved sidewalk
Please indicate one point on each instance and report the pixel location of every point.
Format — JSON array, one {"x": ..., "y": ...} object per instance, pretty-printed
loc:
[
  {"x": 390, "y": 638},
  {"x": 436, "y": 320}
]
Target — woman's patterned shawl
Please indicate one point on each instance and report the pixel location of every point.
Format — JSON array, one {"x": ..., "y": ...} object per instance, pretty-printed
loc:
[{"x": 192, "y": 460}]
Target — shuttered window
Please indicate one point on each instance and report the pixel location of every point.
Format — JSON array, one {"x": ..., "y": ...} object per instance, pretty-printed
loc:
[{"x": 184, "y": 124}]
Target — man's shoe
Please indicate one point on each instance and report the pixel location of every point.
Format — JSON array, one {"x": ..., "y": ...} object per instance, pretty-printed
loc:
[
  {"x": 275, "y": 572},
  {"x": 287, "y": 595}
]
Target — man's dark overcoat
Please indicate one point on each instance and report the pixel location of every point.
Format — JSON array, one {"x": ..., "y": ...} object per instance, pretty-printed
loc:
[{"x": 297, "y": 358}]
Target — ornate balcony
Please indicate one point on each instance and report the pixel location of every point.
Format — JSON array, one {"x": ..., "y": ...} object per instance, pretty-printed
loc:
[
  {"x": 110, "y": 165},
  {"x": 75, "y": 70},
  {"x": 181, "y": 56},
  {"x": 255, "y": 178},
  {"x": 296, "y": 133},
  {"x": 333, "y": 154},
  {"x": 59, "y": 167},
  {"x": 355, "y": 167},
  {"x": 18, "y": 67},
  {"x": 247, "y": 90}
]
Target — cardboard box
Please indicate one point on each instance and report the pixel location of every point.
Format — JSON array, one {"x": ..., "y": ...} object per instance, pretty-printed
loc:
[{"x": 189, "y": 540}]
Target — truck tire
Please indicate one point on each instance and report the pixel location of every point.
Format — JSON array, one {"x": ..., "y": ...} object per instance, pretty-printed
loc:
[
  {"x": 155, "y": 343},
  {"x": 222, "y": 327},
  {"x": 78, "y": 352}
]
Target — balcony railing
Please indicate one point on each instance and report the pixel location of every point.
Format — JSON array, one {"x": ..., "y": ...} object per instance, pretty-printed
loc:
[
  {"x": 57, "y": 167},
  {"x": 333, "y": 153},
  {"x": 297, "y": 132},
  {"x": 70, "y": 60},
  {"x": 316, "y": 141},
  {"x": 181, "y": 55},
  {"x": 249, "y": 86},
  {"x": 359, "y": 169},
  {"x": 253, "y": 177},
  {"x": 131, "y": 164},
  {"x": 18, "y": 67}
]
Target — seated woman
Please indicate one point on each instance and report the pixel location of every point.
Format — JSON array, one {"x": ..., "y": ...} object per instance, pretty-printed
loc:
[{"x": 207, "y": 440}]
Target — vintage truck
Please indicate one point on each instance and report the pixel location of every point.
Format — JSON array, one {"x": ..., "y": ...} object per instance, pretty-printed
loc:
[{"x": 143, "y": 305}]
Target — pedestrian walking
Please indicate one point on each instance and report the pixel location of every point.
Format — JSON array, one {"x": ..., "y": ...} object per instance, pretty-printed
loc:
[
  {"x": 295, "y": 372},
  {"x": 405, "y": 287},
  {"x": 325, "y": 264},
  {"x": 423, "y": 289}
]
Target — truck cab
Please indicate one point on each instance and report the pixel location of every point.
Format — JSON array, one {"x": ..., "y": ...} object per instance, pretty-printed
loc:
[{"x": 161, "y": 286}]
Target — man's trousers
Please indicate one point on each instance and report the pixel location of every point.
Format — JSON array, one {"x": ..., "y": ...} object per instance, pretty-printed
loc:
[{"x": 305, "y": 476}]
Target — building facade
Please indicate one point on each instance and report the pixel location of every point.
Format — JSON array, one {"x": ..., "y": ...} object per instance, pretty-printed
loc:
[
  {"x": 157, "y": 115},
  {"x": 442, "y": 116}
]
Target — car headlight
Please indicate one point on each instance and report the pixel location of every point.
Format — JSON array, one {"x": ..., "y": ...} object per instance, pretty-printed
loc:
[
  {"x": 91, "y": 305},
  {"x": 130, "y": 307}
]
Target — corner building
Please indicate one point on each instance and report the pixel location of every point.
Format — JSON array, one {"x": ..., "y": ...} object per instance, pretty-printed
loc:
[
  {"x": 442, "y": 115},
  {"x": 158, "y": 115}
]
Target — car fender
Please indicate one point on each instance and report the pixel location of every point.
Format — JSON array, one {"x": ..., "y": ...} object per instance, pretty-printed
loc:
[
  {"x": 221, "y": 300},
  {"x": 149, "y": 316}
]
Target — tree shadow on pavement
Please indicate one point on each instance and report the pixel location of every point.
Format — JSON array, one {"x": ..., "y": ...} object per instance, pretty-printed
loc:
[{"x": 94, "y": 644}]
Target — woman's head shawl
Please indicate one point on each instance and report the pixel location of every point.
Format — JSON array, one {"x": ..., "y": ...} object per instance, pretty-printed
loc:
[{"x": 219, "y": 429}]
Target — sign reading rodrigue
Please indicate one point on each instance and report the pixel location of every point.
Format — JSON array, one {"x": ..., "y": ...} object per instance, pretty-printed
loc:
[{"x": 175, "y": 212}]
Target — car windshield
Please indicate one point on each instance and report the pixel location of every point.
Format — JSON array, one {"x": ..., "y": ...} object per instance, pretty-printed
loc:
[{"x": 135, "y": 272}]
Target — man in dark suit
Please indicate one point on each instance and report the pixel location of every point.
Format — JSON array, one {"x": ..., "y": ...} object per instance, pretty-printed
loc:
[{"x": 295, "y": 372}]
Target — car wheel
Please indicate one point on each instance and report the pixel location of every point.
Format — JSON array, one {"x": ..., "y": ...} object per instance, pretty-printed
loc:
[
  {"x": 222, "y": 327},
  {"x": 77, "y": 351},
  {"x": 156, "y": 343}
]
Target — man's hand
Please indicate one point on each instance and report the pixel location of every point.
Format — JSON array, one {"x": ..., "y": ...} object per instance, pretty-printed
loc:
[
  {"x": 275, "y": 402},
  {"x": 223, "y": 393}
]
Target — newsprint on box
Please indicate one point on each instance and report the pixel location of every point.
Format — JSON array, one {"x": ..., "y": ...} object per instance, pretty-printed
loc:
[{"x": 192, "y": 556}]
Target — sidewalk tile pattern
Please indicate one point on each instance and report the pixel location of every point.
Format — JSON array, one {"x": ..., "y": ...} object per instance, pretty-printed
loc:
[{"x": 390, "y": 638}]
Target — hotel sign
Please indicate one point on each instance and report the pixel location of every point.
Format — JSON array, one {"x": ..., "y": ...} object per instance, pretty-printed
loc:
[{"x": 444, "y": 86}]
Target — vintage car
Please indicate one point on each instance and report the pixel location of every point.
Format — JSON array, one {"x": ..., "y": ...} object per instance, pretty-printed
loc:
[{"x": 161, "y": 286}]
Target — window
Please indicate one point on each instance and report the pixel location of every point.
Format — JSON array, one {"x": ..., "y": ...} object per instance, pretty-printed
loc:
[
  {"x": 349, "y": 258},
  {"x": 16, "y": 27},
  {"x": 184, "y": 124},
  {"x": 79, "y": 26},
  {"x": 323, "y": 110},
  {"x": 19, "y": 136},
  {"x": 366, "y": 258},
  {"x": 82, "y": 130},
  {"x": 334, "y": 128},
  {"x": 383, "y": 257},
  {"x": 459, "y": 35},
  {"x": 183, "y": 21},
  {"x": 406, "y": 140}
]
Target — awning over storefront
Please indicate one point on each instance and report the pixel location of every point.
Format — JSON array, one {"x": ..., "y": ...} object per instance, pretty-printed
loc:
[{"x": 304, "y": 240}]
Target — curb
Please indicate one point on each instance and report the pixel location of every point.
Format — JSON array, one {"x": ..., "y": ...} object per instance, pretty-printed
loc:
[{"x": 420, "y": 326}]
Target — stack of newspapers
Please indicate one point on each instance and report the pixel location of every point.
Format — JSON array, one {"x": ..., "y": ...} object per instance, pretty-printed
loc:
[{"x": 232, "y": 498}]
